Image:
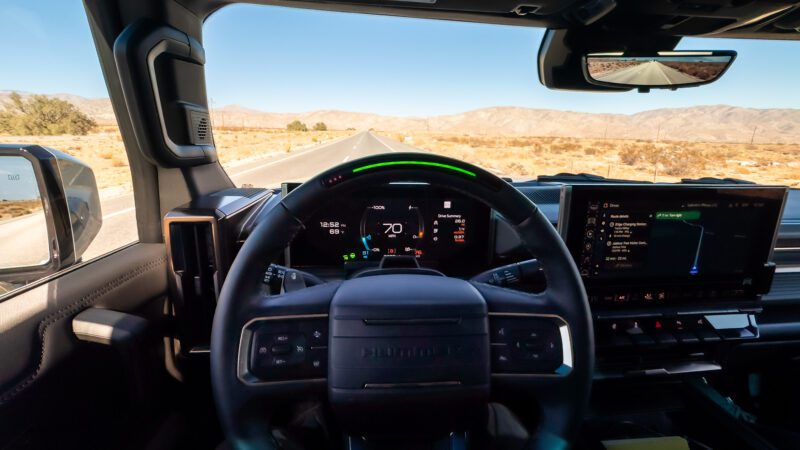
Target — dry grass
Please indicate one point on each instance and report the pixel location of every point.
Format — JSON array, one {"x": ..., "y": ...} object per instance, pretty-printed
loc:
[
  {"x": 104, "y": 152},
  {"x": 101, "y": 150},
  {"x": 16, "y": 208},
  {"x": 526, "y": 157},
  {"x": 518, "y": 157}
]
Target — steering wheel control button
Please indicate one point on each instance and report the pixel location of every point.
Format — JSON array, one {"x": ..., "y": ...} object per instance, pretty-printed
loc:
[
  {"x": 501, "y": 357},
  {"x": 526, "y": 344},
  {"x": 317, "y": 361},
  {"x": 280, "y": 349}
]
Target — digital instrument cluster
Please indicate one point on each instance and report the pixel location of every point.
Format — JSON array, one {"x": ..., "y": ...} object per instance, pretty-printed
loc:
[{"x": 440, "y": 228}]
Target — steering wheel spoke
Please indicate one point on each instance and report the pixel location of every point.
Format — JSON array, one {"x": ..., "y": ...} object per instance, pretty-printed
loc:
[
  {"x": 534, "y": 356},
  {"x": 284, "y": 337},
  {"x": 529, "y": 335}
]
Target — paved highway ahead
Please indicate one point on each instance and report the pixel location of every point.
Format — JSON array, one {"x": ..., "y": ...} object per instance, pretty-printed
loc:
[
  {"x": 301, "y": 165},
  {"x": 119, "y": 221},
  {"x": 651, "y": 73}
]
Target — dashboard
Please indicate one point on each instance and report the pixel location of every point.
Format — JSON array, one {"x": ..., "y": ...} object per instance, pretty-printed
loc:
[
  {"x": 669, "y": 269},
  {"x": 634, "y": 245},
  {"x": 441, "y": 229}
]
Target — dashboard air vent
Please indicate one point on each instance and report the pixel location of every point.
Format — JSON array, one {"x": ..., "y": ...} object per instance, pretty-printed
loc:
[{"x": 194, "y": 260}]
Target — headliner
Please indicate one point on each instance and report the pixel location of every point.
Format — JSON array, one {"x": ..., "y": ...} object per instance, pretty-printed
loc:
[{"x": 751, "y": 19}]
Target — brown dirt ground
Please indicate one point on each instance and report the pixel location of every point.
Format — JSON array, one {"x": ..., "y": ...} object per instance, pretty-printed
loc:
[
  {"x": 703, "y": 70},
  {"x": 526, "y": 157},
  {"x": 599, "y": 67}
]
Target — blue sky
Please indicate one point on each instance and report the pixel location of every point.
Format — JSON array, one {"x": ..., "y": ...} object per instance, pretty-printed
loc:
[
  {"x": 281, "y": 59},
  {"x": 17, "y": 180}
]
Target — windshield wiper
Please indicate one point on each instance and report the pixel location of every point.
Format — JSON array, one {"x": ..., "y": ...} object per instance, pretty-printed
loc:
[
  {"x": 714, "y": 180},
  {"x": 566, "y": 177}
]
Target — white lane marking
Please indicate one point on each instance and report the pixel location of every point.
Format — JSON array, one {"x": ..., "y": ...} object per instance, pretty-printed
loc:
[
  {"x": 272, "y": 163},
  {"x": 119, "y": 213},
  {"x": 384, "y": 143},
  {"x": 661, "y": 71},
  {"x": 346, "y": 158}
]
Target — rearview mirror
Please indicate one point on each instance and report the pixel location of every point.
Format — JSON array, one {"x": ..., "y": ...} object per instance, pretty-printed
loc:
[
  {"x": 49, "y": 212},
  {"x": 663, "y": 70}
]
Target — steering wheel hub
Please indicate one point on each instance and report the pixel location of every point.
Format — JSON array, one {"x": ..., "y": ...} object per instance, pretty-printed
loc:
[{"x": 401, "y": 344}]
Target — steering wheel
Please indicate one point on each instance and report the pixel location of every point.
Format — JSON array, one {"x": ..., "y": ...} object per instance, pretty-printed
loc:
[{"x": 401, "y": 354}]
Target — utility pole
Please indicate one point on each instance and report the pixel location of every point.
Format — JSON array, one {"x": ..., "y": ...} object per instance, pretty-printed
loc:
[{"x": 655, "y": 167}]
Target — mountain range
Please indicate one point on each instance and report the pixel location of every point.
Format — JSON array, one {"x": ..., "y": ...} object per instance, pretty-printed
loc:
[{"x": 707, "y": 123}]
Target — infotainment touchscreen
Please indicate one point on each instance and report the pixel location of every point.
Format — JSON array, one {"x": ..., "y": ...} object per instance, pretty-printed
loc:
[{"x": 649, "y": 242}]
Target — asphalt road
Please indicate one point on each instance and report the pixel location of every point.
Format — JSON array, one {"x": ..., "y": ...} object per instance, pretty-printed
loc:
[
  {"x": 651, "y": 73},
  {"x": 119, "y": 221},
  {"x": 23, "y": 241}
]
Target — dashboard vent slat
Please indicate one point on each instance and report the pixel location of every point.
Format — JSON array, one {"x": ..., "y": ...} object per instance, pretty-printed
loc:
[{"x": 785, "y": 287}]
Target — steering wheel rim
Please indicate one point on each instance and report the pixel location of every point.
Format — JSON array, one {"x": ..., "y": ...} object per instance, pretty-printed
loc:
[{"x": 563, "y": 397}]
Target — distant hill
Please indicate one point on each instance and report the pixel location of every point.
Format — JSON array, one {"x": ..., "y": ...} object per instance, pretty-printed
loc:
[{"x": 713, "y": 123}]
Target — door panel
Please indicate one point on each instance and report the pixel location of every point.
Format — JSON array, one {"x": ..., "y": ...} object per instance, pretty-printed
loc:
[{"x": 36, "y": 339}]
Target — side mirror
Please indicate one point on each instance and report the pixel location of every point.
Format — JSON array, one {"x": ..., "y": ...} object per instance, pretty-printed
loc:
[
  {"x": 662, "y": 70},
  {"x": 49, "y": 212}
]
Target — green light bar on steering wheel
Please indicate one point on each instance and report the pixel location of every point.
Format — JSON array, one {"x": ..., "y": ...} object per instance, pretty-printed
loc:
[{"x": 415, "y": 163}]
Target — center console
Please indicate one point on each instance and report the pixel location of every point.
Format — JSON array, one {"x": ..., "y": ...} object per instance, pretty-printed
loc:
[{"x": 671, "y": 270}]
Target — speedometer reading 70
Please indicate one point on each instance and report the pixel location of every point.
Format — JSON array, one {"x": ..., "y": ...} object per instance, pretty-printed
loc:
[{"x": 391, "y": 229}]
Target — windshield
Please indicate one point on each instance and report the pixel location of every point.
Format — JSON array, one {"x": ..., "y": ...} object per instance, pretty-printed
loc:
[{"x": 333, "y": 87}]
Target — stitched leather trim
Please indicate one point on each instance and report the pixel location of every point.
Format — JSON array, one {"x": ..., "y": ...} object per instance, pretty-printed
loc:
[{"x": 72, "y": 308}]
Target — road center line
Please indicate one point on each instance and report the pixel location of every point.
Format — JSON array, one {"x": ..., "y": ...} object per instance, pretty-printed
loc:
[
  {"x": 663, "y": 74},
  {"x": 384, "y": 143}
]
